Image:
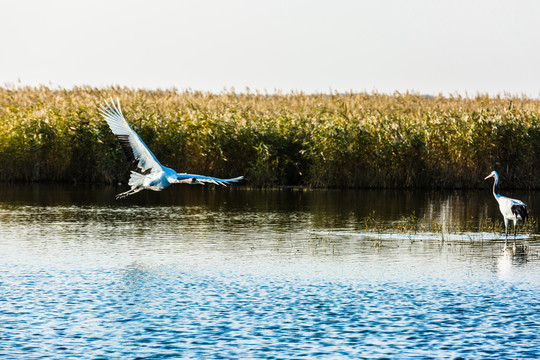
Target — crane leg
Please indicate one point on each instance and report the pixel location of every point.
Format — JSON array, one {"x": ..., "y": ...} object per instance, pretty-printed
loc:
[{"x": 127, "y": 193}]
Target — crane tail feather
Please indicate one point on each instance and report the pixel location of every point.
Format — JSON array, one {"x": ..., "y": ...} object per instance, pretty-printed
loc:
[{"x": 520, "y": 210}]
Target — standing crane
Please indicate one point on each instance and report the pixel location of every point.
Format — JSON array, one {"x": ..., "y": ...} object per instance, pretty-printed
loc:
[
  {"x": 511, "y": 209},
  {"x": 150, "y": 173}
]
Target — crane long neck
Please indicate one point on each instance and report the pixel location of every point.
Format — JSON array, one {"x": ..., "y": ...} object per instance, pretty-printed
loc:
[{"x": 496, "y": 187}]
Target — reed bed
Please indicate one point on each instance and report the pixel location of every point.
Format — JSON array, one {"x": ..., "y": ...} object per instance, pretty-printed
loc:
[{"x": 324, "y": 140}]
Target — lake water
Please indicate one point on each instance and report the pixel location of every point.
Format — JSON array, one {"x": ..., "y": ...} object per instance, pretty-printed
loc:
[{"x": 218, "y": 273}]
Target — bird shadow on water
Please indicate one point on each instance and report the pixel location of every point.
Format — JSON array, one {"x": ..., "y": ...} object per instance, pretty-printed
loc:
[{"x": 514, "y": 255}]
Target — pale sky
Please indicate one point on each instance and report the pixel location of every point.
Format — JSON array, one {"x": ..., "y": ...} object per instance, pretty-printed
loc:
[{"x": 423, "y": 46}]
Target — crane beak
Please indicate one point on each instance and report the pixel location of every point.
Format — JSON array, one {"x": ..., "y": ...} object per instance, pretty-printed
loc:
[{"x": 487, "y": 177}]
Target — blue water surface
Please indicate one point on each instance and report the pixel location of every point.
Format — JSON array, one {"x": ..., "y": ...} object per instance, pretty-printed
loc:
[{"x": 222, "y": 280}]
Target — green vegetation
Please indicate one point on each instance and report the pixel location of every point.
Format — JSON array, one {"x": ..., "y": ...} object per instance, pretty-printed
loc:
[
  {"x": 351, "y": 140},
  {"x": 411, "y": 224}
]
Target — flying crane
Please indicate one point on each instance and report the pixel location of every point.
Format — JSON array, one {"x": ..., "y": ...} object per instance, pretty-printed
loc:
[{"x": 150, "y": 174}]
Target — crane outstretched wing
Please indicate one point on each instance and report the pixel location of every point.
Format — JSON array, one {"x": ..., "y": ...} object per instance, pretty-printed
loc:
[
  {"x": 132, "y": 144},
  {"x": 208, "y": 179}
]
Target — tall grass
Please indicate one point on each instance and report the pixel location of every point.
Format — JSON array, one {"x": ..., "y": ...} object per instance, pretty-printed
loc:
[{"x": 325, "y": 140}]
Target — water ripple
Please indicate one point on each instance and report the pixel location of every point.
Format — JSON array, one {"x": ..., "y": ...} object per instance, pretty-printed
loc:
[{"x": 195, "y": 282}]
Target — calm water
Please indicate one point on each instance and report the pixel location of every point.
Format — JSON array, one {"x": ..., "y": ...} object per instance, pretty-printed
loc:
[{"x": 207, "y": 273}]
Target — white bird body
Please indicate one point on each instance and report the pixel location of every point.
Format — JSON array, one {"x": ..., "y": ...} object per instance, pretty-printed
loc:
[
  {"x": 151, "y": 175},
  {"x": 506, "y": 204},
  {"x": 511, "y": 209}
]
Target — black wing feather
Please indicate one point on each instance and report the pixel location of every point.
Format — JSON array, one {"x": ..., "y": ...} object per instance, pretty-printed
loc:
[
  {"x": 126, "y": 146},
  {"x": 520, "y": 211}
]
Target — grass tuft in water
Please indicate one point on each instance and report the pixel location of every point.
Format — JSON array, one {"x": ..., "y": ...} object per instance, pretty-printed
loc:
[{"x": 412, "y": 224}]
